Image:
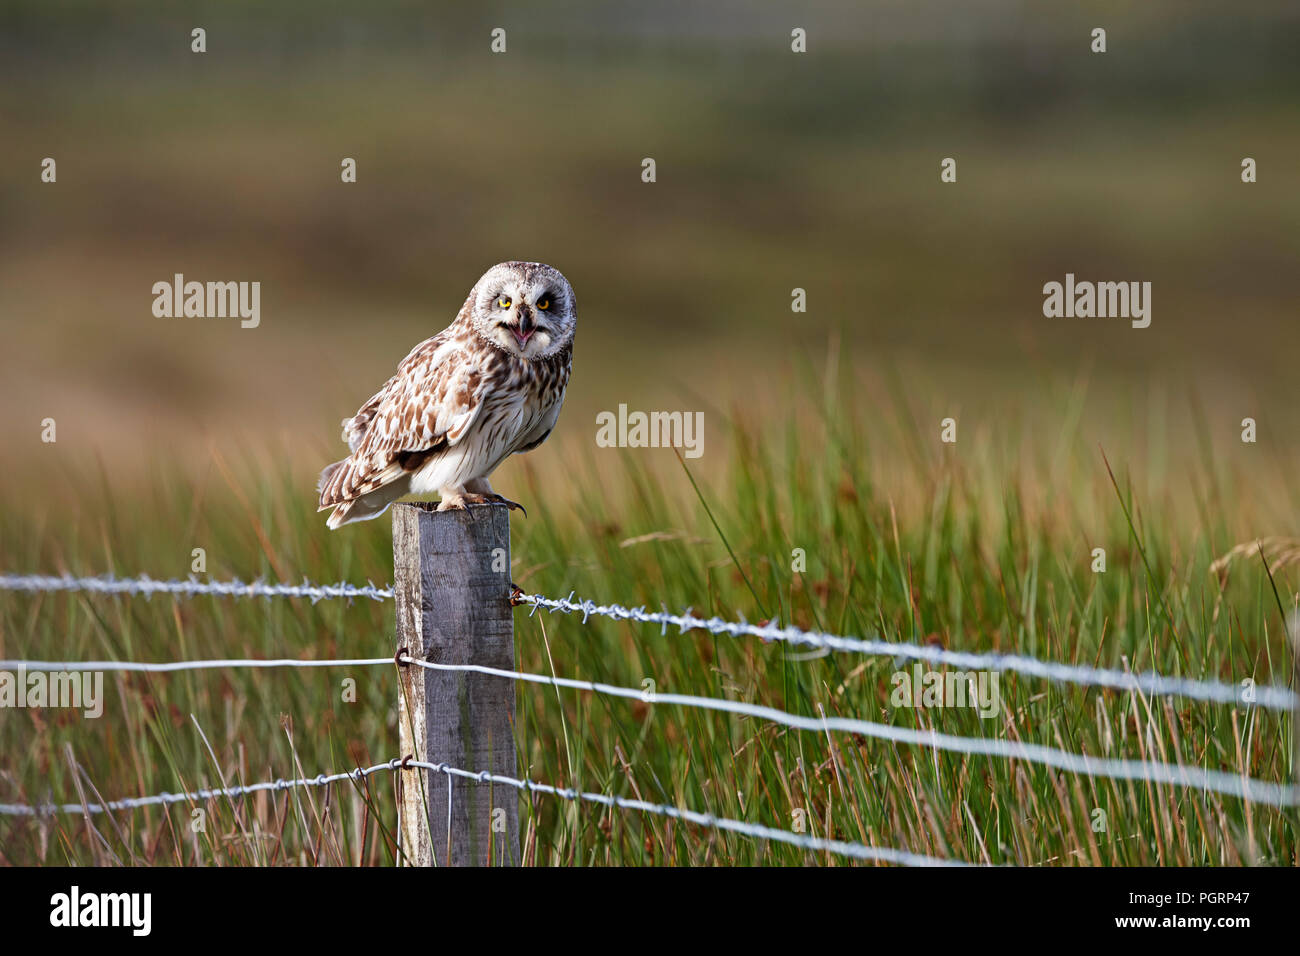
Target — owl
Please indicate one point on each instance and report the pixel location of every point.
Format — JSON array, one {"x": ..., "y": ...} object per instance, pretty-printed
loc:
[{"x": 489, "y": 385}]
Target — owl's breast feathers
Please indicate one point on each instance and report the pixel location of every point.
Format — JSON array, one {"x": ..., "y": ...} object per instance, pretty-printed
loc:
[{"x": 452, "y": 389}]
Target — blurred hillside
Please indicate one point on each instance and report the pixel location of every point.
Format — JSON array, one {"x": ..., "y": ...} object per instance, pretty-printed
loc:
[{"x": 775, "y": 171}]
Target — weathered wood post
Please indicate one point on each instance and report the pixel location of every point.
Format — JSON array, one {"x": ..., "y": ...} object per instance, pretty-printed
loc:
[{"x": 451, "y": 584}]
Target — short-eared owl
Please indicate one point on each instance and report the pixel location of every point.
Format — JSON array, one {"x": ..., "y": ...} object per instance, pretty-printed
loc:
[{"x": 488, "y": 385}]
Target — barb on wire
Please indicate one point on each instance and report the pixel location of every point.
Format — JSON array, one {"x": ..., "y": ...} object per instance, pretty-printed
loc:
[
  {"x": 1272, "y": 698},
  {"x": 839, "y": 847},
  {"x": 147, "y": 587}
]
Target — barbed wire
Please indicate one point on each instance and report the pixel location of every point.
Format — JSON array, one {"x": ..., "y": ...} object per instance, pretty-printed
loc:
[
  {"x": 840, "y": 847},
  {"x": 1267, "y": 696},
  {"x": 147, "y": 587},
  {"x": 135, "y": 803},
  {"x": 1198, "y": 778},
  {"x": 859, "y": 851},
  {"x": 172, "y": 666}
]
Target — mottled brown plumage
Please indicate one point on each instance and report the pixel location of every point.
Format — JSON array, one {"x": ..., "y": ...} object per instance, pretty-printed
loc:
[{"x": 489, "y": 385}]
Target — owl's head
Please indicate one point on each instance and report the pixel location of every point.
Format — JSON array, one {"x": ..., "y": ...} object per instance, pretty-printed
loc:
[{"x": 524, "y": 308}]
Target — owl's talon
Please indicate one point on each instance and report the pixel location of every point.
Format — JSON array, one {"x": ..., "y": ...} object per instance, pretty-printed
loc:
[
  {"x": 474, "y": 498},
  {"x": 512, "y": 505}
]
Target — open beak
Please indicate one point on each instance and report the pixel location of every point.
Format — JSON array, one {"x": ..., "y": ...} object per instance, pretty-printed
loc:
[{"x": 524, "y": 331}]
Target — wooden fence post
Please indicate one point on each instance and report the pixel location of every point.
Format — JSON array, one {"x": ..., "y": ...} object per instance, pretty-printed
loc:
[{"x": 451, "y": 584}]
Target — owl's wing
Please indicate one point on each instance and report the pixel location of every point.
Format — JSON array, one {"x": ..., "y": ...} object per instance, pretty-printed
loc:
[
  {"x": 354, "y": 428},
  {"x": 425, "y": 408}
]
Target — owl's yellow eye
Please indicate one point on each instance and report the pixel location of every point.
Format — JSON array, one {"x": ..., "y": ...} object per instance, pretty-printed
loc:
[
  {"x": 504, "y": 302},
  {"x": 543, "y": 303}
]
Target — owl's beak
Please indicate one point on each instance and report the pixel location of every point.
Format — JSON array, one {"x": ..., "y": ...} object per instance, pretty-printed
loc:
[{"x": 526, "y": 327}]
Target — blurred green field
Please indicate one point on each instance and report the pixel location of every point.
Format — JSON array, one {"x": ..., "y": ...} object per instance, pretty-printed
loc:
[
  {"x": 983, "y": 544},
  {"x": 775, "y": 172}
]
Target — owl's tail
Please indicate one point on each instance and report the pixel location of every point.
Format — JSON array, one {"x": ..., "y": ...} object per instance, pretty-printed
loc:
[
  {"x": 343, "y": 514},
  {"x": 361, "y": 508},
  {"x": 326, "y": 477},
  {"x": 368, "y": 506},
  {"x": 329, "y": 496}
]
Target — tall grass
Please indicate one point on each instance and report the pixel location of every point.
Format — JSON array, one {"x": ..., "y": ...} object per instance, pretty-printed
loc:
[{"x": 986, "y": 544}]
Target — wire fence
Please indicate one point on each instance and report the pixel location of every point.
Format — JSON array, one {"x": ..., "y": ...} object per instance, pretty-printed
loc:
[
  {"x": 757, "y": 831},
  {"x": 147, "y": 587},
  {"x": 1231, "y": 784},
  {"x": 1159, "y": 685},
  {"x": 1271, "y": 698},
  {"x": 1198, "y": 778}
]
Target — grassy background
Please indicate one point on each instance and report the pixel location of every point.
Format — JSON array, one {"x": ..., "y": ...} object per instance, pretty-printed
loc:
[
  {"x": 931, "y": 562},
  {"x": 821, "y": 429}
]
